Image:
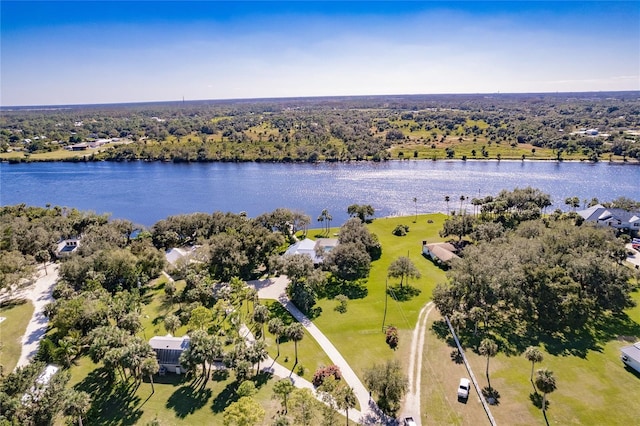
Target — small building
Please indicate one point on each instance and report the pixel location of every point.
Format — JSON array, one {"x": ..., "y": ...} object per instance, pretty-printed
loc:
[
  {"x": 631, "y": 356},
  {"x": 82, "y": 146},
  {"x": 313, "y": 249},
  {"x": 41, "y": 383},
  {"x": 175, "y": 254},
  {"x": 168, "y": 350},
  {"x": 66, "y": 247},
  {"x": 441, "y": 253}
]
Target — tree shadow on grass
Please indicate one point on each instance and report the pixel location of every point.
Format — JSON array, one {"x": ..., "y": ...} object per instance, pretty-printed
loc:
[
  {"x": 187, "y": 400},
  {"x": 404, "y": 293},
  {"x": 278, "y": 311},
  {"x": 491, "y": 395},
  {"x": 351, "y": 289},
  {"x": 441, "y": 330},
  {"x": 111, "y": 405},
  {"x": 536, "y": 399},
  {"x": 456, "y": 356},
  {"x": 225, "y": 398}
]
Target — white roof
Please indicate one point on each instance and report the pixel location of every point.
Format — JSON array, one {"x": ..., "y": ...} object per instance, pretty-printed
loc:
[{"x": 169, "y": 342}]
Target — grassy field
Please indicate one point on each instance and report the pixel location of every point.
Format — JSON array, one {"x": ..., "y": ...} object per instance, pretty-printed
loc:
[
  {"x": 593, "y": 386},
  {"x": 358, "y": 333},
  {"x": 11, "y": 331}
]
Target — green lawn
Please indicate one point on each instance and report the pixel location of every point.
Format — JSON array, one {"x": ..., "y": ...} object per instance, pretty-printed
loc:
[
  {"x": 358, "y": 333},
  {"x": 11, "y": 331},
  {"x": 593, "y": 389}
]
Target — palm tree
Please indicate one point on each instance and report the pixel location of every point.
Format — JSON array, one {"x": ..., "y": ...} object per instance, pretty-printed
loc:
[
  {"x": 462, "y": 198},
  {"x": 149, "y": 367},
  {"x": 446, "y": 200},
  {"x": 546, "y": 383},
  {"x": 295, "y": 332},
  {"x": 276, "y": 327},
  {"x": 282, "y": 388},
  {"x": 172, "y": 323},
  {"x": 415, "y": 203},
  {"x": 77, "y": 403},
  {"x": 533, "y": 355},
  {"x": 346, "y": 399},
  {"x": 488, "y": 348},
  {"x": 261, "y": 315}
]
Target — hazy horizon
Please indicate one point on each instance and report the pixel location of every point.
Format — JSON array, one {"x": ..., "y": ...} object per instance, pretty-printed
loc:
[{"x": 82, "y": 53}]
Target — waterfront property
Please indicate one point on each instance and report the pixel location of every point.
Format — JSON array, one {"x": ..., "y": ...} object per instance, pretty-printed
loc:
[
  {"x": 168, "y": 350},
  {"x": 66, "y": 247},
  {"x": 314, "y": 249},
  {"x": 615, "y": 218},
  {"x": 441, "y": 253},
  {"x": 631, "y": 356}
]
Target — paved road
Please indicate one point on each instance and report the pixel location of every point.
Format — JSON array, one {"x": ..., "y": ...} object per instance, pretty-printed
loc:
[
  {"x": 635, "y": 257},
  {"x": 370, "y": 413}
]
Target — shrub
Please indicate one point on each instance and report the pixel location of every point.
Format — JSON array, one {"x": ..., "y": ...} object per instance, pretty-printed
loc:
[
  {"x": 322, "y": 373},
  {"x": 392, "y": 337},
  {"x": 401, "y": 230},
  {"x": 342, "y": 303}
]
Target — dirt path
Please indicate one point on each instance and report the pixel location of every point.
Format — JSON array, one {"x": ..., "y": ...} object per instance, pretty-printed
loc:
[
  {"x": 412, "y": 398},
  {"x": 39, "y": 294}
]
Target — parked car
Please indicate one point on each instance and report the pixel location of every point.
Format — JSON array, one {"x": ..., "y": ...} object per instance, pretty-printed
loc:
[
  {"x": 463, "y": 388},
  {"x": 408, "y": 421}
]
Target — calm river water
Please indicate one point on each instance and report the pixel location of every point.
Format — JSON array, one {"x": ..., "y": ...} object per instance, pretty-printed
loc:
[{"x": 148, "y": 192}]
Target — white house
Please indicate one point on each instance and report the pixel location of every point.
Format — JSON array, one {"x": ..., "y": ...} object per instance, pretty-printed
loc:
[
  {"x": 66, "y": 247},
  {"x": 313, "y": 248},
  {"x": 615, "y": 218},
  {"x": 168, "y": 350},
  {"x": 631, "y": 356},
  {"x": 440, "y": 252}
]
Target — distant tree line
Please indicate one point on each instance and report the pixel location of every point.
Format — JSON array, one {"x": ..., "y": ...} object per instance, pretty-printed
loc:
[{"x": 336, "y": 129}]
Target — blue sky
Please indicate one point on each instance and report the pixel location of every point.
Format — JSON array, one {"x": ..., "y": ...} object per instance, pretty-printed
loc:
[{"x": 102, "y": 52}]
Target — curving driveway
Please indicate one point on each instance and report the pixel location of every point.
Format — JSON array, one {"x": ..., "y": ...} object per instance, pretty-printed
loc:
[{"x": 370, "y": 413}]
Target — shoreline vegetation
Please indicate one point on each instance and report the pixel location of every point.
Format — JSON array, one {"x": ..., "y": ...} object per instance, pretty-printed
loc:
[{"x": 593, "y": 127}]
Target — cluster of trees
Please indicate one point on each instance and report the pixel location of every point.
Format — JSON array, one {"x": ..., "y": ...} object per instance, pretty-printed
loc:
[
  {"x": 532, "y": 276},
  {"x": 25, "y": 401},
  {"x": 349, "y": 261},
  {"x": 336, "y": 129}
]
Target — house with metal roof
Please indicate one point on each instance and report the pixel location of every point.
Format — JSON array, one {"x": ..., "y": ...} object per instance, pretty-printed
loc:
[
  {"x": 440, "y": 252},
  {"x": 168, "y": 350},
  {"x": 631, "y": 356},
  {"x": 314, "y": 249},
  {"x": 615, "y": 218}
]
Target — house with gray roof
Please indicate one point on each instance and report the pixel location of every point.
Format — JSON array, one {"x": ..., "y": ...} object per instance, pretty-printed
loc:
[
  {"x": 168, "y": 350},
  {"x": 616, "y": 218},
  {"x": 631, "y": 356},
  {"x": 442, "y": 253},
  {"x": 314, "y": 249}
]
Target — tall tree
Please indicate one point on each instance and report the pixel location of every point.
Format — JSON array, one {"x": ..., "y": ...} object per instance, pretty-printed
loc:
[
  {"x": 261, "y": 316},
  {"x": 276, "y": 327},
  {"x": 150, "y": 367},
  {"x": 362, "y": 211},
  {"x": 295, "y": 332},
  {"x": 303, "y": 405},
  {"x": 345, "y": 399},
  {"x": 172, "y": 323},
  {"x": 488, "y": 348},
  {"x": 546, "y": 383},
  {"x": 389, "y": 383},
  {"x": 533, "y": 355},
  {"x": 77, "y": 404},
  {"x": 446, "y": 200},
  {"x": 403, "y": 268},
  {"x": 415, "y": 203},
  {"x": 244, "y": 412},
  {"x": 282, "y": 389}
]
